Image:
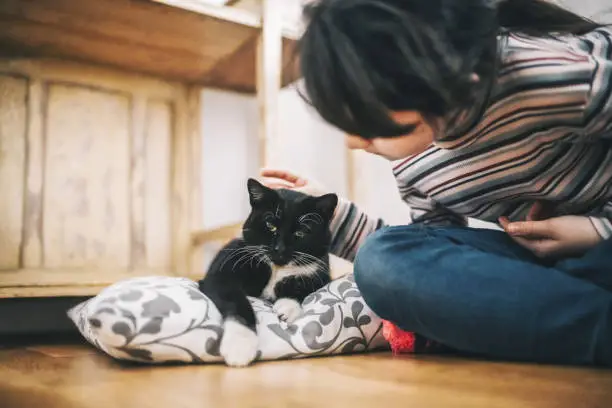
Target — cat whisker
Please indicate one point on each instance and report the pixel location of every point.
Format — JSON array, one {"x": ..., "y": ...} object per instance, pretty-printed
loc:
[
  {"x": 311, "y": 216},
  {"x": 238, "y": 252},
  {"x": 302, "y": 260},
  {"x": 311, "y": 258},
  {"x": 266, "y": 259},
  {"x": 232, "y": 249},
  {"x": 262, "y": 258},
  {"x": 242, "y": 258},
  {"x": 307, "y": 259},
  {"x": 256, "y": 255},
  {"x": 251, "y": 255}
]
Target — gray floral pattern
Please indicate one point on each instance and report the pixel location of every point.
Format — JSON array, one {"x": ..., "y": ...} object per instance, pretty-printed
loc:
[{"x": 165, "y": 319}]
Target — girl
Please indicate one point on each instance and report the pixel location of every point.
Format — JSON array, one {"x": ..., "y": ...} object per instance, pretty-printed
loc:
[{"x": 495, "y": 110}]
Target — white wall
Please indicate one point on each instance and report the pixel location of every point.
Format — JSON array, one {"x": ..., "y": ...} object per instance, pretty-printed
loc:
[
  {"x": 309, "y": 147},
  {"x": 600, "y": 10},
  {"x": 376, "y": 190},
  {"x": 230, "y": 151}
]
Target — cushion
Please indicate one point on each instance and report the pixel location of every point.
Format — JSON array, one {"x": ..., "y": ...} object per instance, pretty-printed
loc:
[{"x": 167, "y": 319}]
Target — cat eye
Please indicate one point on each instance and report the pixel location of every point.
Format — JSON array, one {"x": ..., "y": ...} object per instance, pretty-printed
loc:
[
  {"x": 299, "y": 234},
  {"x": 270, "y": 226}
]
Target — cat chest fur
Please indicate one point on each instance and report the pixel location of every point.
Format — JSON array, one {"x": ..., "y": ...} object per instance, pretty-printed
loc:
[{"x": 278, "y": 273}]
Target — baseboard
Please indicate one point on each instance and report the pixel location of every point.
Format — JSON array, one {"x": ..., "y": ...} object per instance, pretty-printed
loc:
[{"x": 36, "y": 315}]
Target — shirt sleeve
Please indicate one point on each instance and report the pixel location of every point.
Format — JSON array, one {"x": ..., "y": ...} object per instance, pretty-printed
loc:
[
  {"x": 603, "y": 223},
  {"x": 351, "y": 225},
  {"x": 546, "y": 89},
  {"x": 349, "y": 228},
  {"x": 598, "y": 107}
]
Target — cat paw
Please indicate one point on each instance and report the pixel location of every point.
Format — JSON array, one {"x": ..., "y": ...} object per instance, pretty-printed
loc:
[
  {"x": 287, "y": 309},
  {"x": 239, "y": 344}
]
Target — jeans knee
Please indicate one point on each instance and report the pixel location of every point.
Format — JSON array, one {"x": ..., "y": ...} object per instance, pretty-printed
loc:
[
  {"x": 370, "y": 259},
  {"x": 377, "y": 274},
  {"x": 369, "y": 254},
  {"x": 392, "y": 265}
]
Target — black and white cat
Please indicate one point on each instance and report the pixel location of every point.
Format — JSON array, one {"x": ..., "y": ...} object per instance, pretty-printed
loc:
[{"x": 282, "y": 257}]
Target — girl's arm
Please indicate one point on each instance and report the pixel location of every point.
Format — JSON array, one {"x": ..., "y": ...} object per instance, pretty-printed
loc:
[
  {"x": 351, "y": 225},
  {"x": 349, "y": 229}
]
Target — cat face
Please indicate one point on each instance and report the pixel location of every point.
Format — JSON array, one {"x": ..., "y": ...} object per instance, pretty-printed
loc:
[{"x": 290, "y": 226}]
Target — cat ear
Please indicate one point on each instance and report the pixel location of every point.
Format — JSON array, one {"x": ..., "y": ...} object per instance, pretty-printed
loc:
[
  {"x": 258, "y": 193},
  {"x": 326, "y": 204}
]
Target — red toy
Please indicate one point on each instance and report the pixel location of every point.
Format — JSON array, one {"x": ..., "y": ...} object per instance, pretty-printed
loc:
[
  {"x": 399, "y": 340},
  {"x": 407, "y": 342}
]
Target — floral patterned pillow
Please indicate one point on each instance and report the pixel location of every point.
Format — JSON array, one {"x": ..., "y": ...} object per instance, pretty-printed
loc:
[{"x": 166, "y": 319}]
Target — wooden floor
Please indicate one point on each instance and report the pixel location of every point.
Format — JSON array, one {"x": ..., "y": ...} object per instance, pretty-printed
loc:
[{"x": 75, "y": 376}]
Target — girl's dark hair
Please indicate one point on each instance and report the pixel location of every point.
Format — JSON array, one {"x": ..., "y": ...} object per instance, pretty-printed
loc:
[{"x": 362, "y": 59}]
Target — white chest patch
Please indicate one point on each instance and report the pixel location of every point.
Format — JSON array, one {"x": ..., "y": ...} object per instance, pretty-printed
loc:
[{"x": 281, "y": 272}]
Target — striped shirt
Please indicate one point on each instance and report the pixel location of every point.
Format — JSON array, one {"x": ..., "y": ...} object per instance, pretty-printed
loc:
[{"x": 543, "y": 134}]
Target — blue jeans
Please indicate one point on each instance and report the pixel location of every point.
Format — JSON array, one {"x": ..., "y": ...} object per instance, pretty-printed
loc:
[{"x": 478, "y": 292}]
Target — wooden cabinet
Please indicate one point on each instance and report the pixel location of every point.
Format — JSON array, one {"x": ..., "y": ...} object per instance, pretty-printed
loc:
[
  {"x": 100, "y": 137},
  {"x": 99, "y": 173}
]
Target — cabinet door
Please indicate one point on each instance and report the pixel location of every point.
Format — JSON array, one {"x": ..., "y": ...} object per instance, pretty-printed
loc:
[
  {"x": 99, "y": 176},
  {"x": 13, "y": 124}
]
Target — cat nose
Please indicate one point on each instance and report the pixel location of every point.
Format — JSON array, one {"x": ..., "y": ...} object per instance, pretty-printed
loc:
[
  {"x": 280, "y": 255},
  {"x": 279, "y": 248}
]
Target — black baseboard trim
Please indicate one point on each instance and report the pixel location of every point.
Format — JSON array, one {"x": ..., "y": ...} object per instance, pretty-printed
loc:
[{"x": 36, "y": 315}]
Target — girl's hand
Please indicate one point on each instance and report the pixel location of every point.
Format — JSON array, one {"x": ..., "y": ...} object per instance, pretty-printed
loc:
[
  {"x": 276, "y": 179},
  {"x": 554, "y": 237}
]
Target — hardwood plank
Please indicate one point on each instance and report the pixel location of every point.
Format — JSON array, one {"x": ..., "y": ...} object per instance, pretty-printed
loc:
[
  {"x": 29, "y": 378},
  {"x": 63, "y": 350},
  {"x": 224, "y": 233},
  {"x": 181, "y": 190},
  {"x": 72, "y": 282},
  {"x": 138, "y": 173},
  {"x": 229, "y": 12},
  {"x": 79, "y": 74},
  {"x": 32, "y": 233},
  {"x": 140, "y": 27},
  {"x": 51, "y": 40},
  {"x": 49, "y": 291},
  {"x": 181, "y": 40},
  {"x": 195, "y": 135},
  {"x": 351, "y": 181},
  {"x": 224, "y": 13},
  {"x": 73, "y": 276},
  {"x": 269, "y": 72},
  {"x": 157, "y": 189},
  {"x": 237, "y": 71},
  {"x": 86, "y": 204},
  {"x": 100, "y": 147},
  {"x": 13, "y": 113}
]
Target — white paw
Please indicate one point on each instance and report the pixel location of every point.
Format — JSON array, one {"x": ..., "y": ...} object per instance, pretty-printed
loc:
[
  {"x": 239, "y": 344},
  {"x": 287, "y": 309}
]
